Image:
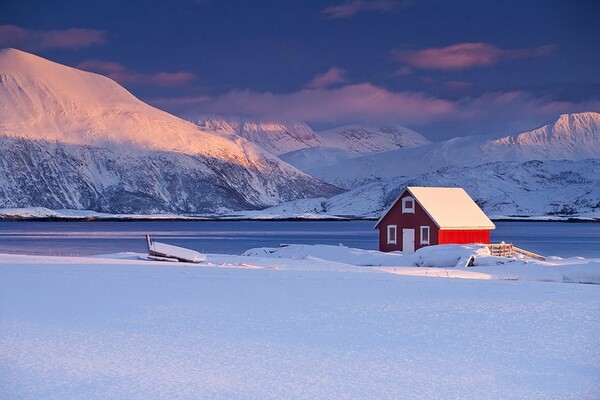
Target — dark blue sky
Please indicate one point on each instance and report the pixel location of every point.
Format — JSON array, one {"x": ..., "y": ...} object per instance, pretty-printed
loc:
[{"x": 444, "y": 68}]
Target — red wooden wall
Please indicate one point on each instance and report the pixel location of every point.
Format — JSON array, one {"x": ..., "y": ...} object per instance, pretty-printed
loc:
[
  {"x": 463, "y": 236},
  {"x": 406, "y": 221}
]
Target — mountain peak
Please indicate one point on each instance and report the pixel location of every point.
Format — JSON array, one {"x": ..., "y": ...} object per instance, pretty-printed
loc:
[
  {"x": 74, "y": 139},
  {"x": 567, "y": 130},
  {"x": 576, "y": 122},
  {"x": 18, "y": 61},
  {"x": 53, "y": 102},
  {"x": 50, "y": 101},
  {"x": 9, "y": 52}
]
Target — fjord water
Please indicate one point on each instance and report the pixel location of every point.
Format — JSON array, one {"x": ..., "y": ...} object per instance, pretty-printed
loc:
[{"x": 234, "y": 237}]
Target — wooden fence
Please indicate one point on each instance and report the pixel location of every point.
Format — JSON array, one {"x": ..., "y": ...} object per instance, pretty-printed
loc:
[{"x": 509, "y": 250}]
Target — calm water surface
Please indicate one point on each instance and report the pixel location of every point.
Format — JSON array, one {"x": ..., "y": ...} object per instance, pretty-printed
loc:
[{"x": 234, "y": 237}]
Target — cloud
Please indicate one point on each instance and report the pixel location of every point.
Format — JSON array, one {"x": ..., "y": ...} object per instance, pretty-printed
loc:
[
  {"x": 27, "y": 39},
  {"x": 172, "y": 78},
  {"x": 351, "y": 103},
  {"x": 507, "y": 112},
  {"x": 119, "y": 73},
  {"x": 350, "y": 8},
  {"x": 438, "y": 118},
  {"x": 333, "y": 76},
  {"x": 179, "y": 101},
  {"x": 465, "y": 55},
  {"x": 105, "y": 67}
]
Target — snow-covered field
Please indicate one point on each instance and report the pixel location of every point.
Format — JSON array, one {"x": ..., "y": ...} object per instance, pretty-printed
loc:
[{"x": 299, "y": 322}]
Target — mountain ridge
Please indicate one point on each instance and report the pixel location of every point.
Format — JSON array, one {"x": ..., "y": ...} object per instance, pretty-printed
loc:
[
  {"x": 50, "y": 112},
  {"x": 281, "y": 138},
  {"x": 472, "y": 150},
  {"x": 559, "y": 188},
  {"x": 275, "y": 137}
]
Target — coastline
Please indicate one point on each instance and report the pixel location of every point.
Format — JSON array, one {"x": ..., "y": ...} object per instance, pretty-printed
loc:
[{"x": 42, "y": 214}]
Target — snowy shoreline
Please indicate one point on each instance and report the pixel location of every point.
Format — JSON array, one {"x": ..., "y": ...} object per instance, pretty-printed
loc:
[
  {"x": 44, "y": 214},
  {"x": 442, "y": 261}
]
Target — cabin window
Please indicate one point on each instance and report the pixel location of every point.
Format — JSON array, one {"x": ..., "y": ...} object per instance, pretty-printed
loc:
[
  {"x": 424, "y": 235},
  {"x": 392, "y": 233},
  {"x": 408, "y": 205}
]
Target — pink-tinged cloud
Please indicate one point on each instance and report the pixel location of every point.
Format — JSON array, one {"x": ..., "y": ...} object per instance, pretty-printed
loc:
[
  {"x": 332, "y": 77},
  {"x": 350, "y": 8},
  {"x": 508, "y": 112},
  {"x": 102, "y": 67},
  {"x": 352, "y": 103},
  {"x": 465, "y": 55},
  {"x": 119, "y": 73},
  {"x": 493, "y": 112},
  {"x": 172, "y": 78},
  {"x": 518, "y": 104},
  {"x": 28, "y": 39},
  {"x": 166, "y": 79},
  {"x": 179, "y": 101}
]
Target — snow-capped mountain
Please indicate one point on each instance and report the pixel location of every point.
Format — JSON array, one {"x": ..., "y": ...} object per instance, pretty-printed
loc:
[
  {"x": 74, "y": 139},
  {"x": 352, "y": 141},
  {"x": 502, "y": 174},
  {"x": 365, "y": 139},
  {"x": 276, "y": 138},
  {"x": 297, "y": 144},
  {"x": 313, "y": 159},
  {"x": 534, "y": 188},
  {"x": 570, "y": 137}
]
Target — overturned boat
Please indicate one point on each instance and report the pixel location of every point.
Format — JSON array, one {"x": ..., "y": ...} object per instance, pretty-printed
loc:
[{"x": 165, "y": 252}]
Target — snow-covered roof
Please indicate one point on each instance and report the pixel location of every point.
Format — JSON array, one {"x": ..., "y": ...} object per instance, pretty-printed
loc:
[{"x": 449, "y": 208}]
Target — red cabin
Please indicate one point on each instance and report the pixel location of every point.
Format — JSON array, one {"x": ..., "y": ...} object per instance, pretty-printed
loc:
[{"x": 423, "y": 216}]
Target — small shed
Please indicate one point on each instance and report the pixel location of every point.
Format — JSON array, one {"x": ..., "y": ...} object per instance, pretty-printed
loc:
[{"x": 423, "y": 216}]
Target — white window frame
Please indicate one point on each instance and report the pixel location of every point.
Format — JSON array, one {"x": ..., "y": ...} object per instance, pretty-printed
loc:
[
  {"x": 422, "y": 236},
  {"x": 393, "y": 240},
  {"x": 405, "y": 209}
]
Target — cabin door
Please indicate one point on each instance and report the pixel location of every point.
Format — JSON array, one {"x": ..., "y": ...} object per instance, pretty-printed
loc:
[{"x": 408, "y": 240}]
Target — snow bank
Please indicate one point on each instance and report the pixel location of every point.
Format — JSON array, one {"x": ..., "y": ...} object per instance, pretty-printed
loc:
[
  {"x": 447, "y": 255},
  {"x": 341, "y": 254},
  {"x": 445, "y": 261}
]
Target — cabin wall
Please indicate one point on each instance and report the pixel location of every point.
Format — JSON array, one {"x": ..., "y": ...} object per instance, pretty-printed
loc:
[
  {"x": 463, "y": 236},
  {"x": 406, "y": 221}
]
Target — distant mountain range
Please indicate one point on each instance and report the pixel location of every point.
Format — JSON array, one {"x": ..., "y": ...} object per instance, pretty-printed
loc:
[
  {"x": 296, "y": 143},
  {"x": 553, "y": 170},
  {"x": 570, "y": 137},
  {"x": 350, "y": 142},
  {"x": 283, "y": 138},
  {"x": 76, "y": 140},
  {"x": 555, "y": 188}
]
